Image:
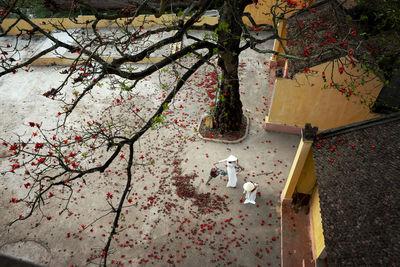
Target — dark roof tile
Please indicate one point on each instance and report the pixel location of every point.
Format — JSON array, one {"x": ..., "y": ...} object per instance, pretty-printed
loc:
[{"x": 358, "y": 175}]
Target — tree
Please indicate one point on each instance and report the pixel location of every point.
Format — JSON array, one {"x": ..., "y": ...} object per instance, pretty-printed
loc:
[{"x": 52, "y": 161}]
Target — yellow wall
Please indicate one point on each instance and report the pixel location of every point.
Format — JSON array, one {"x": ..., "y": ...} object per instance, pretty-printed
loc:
[
  {"x": 297, "y": 101},
  {"x": 261, "y": 11},
  {"x": 47, "y": 23},
  {"x": 296, "y": 169},
  {"x": 258, "y": 12},
  {"x": 278, "y": 45},
  {"x": 307, "y": 178},
  {"x": 318, "y": 231}
]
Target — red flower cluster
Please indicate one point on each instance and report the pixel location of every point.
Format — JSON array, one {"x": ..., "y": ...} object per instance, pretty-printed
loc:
[
  {"x": 291, "y": 3},
  {"x": 38, "y": 146}
]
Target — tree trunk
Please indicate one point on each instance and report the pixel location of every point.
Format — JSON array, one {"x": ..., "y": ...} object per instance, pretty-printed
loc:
[{"x": 228, "y": 111}]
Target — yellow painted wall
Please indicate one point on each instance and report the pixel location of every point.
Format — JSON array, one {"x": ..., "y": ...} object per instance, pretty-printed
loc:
[
  {"x": 318, "y": 232},
  {"x": 261, "y": 11},
  {"x": 296, "y": 169},
  {"x": 278, "y": 45},
  {"x": 47, "y": 23},
  {"x": 301, "y": 100},
  {"x": 307, "y": 178},
  {"x": 258, "y": 12}
]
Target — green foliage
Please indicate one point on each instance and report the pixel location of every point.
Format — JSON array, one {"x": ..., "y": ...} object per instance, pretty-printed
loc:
[
  {"x": 222, "y": 26},
  {"x": 125, "y": 87},
  {"x": 160, "y": 118},
  {"x": 380, "y": 27}
]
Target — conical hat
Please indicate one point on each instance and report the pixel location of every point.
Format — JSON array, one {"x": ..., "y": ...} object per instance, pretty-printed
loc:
[
  {"x": 249, "y": 186},
  {"x": 231, "y": 158}
]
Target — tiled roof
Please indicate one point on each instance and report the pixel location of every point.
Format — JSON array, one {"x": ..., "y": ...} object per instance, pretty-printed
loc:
[
  {"x": 358, "y": 176},
  {"x": 319, "y": 30}
]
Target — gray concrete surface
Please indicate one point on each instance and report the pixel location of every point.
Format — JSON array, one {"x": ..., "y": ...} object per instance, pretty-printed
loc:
[
  {"x": 159, "y": 227},
  {"x": 28, "y": 47}
]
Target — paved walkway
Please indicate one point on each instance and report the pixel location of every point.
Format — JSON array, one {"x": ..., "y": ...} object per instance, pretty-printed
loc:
[{"x": 296, "y": 242}]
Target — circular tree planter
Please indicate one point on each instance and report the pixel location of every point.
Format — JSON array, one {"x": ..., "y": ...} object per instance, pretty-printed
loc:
[{"x": 211, "y": 134}]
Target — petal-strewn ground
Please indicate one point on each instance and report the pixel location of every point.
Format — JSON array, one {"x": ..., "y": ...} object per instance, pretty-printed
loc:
[{"x": 173, "y": 217}]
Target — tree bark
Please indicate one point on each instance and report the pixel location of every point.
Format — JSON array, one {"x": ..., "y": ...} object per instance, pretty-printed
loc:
[{"x": 228, "y": 111}]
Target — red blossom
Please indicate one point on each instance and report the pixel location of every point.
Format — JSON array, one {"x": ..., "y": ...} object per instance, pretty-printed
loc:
[
  {"x": 15, "y": 166},
  {"x": 14, "y": 200},
  {"x": 291, "y": 3},
  {"x": 38, "y": 146}
]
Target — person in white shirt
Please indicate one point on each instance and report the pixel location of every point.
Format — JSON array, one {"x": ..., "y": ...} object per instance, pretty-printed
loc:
[
  {"x": 231, "y": 162},
  {"x": 250, "y": 190}
]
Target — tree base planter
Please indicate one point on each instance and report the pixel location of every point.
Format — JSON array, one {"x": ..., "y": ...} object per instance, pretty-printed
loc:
[{"x": 212, "y": 134}]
